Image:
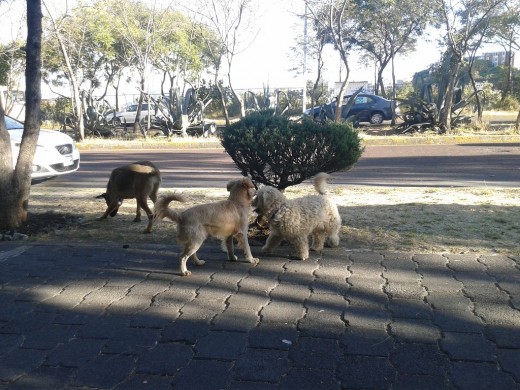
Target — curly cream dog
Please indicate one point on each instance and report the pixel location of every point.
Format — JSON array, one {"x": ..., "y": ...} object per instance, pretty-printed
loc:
[
  {"x": 295, "y": 220},
  {"x": 223, "y": 220}
]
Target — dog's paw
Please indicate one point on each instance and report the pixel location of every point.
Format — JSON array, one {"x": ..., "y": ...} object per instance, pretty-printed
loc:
[
  {"x": 253, "y": 260},
  {"x": 186, "y": 273}
]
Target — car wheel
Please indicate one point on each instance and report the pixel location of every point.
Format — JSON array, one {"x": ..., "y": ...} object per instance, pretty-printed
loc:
[
  {"x": 116, "y": 121},
  {"x": 376, "y": 118}
]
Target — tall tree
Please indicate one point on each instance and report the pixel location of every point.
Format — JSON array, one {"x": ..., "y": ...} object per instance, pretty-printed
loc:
[
  {"x": 15, "y": 185},
  {"x": 338, "y": 23},
  {"x": 464, "y": 22},
  {"x": 505, "y": 30},
  {"x": 388, "y": 28},
  {"x": 232, "y": 22}
]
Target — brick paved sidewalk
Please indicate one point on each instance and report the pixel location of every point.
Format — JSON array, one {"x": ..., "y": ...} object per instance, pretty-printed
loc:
[{"x": 109, "y": 317}]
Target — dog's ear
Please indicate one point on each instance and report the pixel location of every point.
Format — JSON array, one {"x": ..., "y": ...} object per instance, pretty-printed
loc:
[{"x": 102, "y": 196}]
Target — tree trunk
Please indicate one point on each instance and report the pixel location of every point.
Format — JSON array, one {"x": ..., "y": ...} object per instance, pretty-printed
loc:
[
  {"x": 517, "y": 126},
  {"x": 15, "y": 185},
  {"x": 138, "y": 129},
  {"x": 445, "y": 116}
]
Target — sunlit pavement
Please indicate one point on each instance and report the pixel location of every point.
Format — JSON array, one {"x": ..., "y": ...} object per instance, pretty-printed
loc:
[{"x": 106, "y": 317}]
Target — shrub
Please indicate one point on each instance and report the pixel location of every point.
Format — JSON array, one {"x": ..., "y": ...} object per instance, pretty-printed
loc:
[{"x": 274, "y": 151}]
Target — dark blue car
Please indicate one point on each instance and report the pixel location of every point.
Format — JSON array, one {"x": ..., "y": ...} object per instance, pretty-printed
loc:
[{"x": 366, "y": 108}]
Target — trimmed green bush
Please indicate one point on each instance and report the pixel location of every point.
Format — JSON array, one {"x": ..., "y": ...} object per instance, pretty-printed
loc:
[{"x": 275, "y": 151}]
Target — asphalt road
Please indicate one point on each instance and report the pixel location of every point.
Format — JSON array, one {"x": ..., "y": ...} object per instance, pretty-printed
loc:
[{"x": 465, "y": 165}]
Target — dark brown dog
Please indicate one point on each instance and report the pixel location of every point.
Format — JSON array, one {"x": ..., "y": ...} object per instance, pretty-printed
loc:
[{"x": 140, "y": 180}]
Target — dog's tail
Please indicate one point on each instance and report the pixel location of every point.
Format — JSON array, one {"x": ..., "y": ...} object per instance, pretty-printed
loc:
[
  {"x": 320, "y": 183},
  {"x": 161, "y": 209}
]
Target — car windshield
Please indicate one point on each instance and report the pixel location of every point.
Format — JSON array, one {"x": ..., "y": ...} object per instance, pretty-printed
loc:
[{"x": 12, "y": 124}]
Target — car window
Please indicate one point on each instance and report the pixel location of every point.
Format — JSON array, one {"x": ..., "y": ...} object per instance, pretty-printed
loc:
[
  {"x": 132, "y": 108},
  {"x": 361, "y": 100},
  {"x": 11, "y": 124}
]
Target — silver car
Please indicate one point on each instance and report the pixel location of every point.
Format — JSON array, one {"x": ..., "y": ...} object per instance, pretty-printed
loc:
[
  {"x": 127, "y": 116},
  {"x": 56, "y": 153}
]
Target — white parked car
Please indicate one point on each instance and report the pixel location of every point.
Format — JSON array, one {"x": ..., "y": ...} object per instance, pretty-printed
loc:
[
  {"x": 127, "y": 116},
  {"x": 56, "y": 153}
]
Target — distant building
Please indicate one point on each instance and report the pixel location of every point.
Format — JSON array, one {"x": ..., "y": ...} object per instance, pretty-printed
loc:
[
  {"x": 499, "y": 58},
  {"x": 353, "y": 86}
]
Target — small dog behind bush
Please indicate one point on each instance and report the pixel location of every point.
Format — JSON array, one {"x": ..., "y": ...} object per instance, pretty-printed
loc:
[
  {"x": 295, "y": 220},
  {"x": 223, "y": 220},
  {"x": 140, "y": 180}
]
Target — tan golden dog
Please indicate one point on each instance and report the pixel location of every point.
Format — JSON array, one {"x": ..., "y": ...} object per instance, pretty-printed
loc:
[{"x": 223, "y": 220}]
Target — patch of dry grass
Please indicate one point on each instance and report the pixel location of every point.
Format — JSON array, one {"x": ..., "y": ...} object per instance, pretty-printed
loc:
[{"x": 421, "y": 219}]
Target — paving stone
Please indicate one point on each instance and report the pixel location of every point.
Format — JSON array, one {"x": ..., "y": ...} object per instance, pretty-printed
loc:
[
  {"x": 283, "y": 312},
  {"x": 361, "y": 316},
  {"x": 221, "y": 345},
  {"x": 509, "y": 360},
  {"x": 164, "y": 359},
  {"x": 366, "y": 372},
  {"x": 185, "y": 331},
  {"x": 414, "y": 331},
  {"x": 325, "y": 324},
  {"x": 75, "y": 353},
  {"x": 457, "y": 321},
  {"x": 250, "y": 385},
  {"x": 468, "y": 346},
  {"x": 45, "y": 377},
  {"x": 293, "y": 293},
  {"x": 132, "y": 341},
  {"x": 174, "y": 298},
  {"x": 247, "y": 301},
  {"x": 260, "y": 365},
  {"x": 240, "y": 320},
  {"x": 488, "y": 294},
  {"x": 504, "y": 336},
  {"x": 130, "y": 305},
  {"x": 102, "y": 327},
  {"x": 315, "y": 353},
  {"x": 331, "y": 303},
  {"x": 311, "y": 379},
  {"x": 259, "y": 286},
  {"x": 19, "y": 362},
  {"x": 106, "y": 371},
  {"x": 202, "y": 311},
  {"x": 449, "y": 301},
  {"x": 273, "y": 336},
  {"x": 423, "y": 382},
  {"x": 420, "y": 359},
  {"x": 502, "y": 315},
  {"x": 441, "y": 282},
  {"x": 49, "y": 336},
  {"x": 216, "y": 375},
  {"x": 143, "y": 381},
  {"x": 399, "y": 275},
  {"x": 478, "y": 375},
  {"x": 368, "y": 342},
  {"x": 10, "y": 342},
  {"x": 409, "y": 308},
  {"x": 212, "y": 292}
]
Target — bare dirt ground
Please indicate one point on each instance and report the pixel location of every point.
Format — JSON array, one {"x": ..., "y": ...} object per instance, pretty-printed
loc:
[{"x": 422, "y": 220}]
